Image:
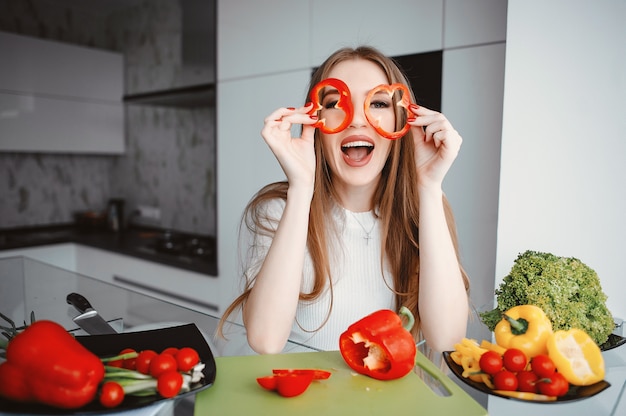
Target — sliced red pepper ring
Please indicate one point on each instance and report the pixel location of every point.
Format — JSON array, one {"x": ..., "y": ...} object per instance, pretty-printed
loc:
[
  {"x": 400, "y": 96},
  {"x": 317, "y": 374},
  {"x": 336, "y": 117}
]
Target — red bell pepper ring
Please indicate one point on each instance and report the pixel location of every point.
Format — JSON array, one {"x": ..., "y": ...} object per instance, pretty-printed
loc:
[
  {"x": 404, "y": 102},
  {"x": 344, "y": 103},
  {"x": 47, "y": 365},
  {"x": 379, "y": 346}
]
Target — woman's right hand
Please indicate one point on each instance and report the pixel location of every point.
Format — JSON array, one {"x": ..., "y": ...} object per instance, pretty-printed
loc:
[{"x": 296, "y": 155}]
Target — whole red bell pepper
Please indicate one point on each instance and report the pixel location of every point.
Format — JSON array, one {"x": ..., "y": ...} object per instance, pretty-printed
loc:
[
  {"x": 45, "y": 364},
  {"x": 379, "y": 346}
]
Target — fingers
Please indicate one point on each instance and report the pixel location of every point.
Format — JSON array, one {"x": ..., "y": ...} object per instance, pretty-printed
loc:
[{"x": 434, "y": 127}]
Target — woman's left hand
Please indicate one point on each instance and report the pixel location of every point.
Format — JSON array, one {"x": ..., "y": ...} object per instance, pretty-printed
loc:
[{"x": 437, "y": 144}]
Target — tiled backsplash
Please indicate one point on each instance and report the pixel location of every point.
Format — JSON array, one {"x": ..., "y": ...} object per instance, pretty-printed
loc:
[{"x": 170, "y": 152}]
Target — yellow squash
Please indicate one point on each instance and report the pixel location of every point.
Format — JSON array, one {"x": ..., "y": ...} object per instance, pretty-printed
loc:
[{"x": 576, "y": 356}]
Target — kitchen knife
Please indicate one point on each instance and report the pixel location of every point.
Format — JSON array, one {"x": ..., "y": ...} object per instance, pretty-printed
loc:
[{"x": 89, "y": 319}]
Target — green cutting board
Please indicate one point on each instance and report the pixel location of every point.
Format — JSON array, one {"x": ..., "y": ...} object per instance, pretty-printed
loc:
[{"x": 236, "y": 392}]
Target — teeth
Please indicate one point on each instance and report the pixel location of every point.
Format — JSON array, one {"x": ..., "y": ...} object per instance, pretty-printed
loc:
[{"x": 358, "y": 144}]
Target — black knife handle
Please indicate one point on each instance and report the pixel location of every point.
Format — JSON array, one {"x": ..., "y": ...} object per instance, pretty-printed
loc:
[{"x": 79, "y": 302}]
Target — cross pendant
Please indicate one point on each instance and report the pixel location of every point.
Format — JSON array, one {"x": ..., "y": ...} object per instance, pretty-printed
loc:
[{"x": 367, "y": 239}]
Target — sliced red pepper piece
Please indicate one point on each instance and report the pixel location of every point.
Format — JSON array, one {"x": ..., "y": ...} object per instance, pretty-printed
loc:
[
  {"x": 344, "y": 103},
  {"x": 287, "y": 384},
  {"x": 317, "y": 374},
  {"x": 379, "y": 346},
  {"x": 404, "y": 102}
]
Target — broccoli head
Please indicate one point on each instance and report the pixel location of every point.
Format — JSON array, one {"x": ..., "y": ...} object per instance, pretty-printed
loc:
[{"x": 567, "y": 290}]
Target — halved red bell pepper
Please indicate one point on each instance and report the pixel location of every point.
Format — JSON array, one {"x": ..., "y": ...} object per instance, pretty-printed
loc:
[
  {"x": 404, "y": 102},
  {"x": 344, "y": 104},
  {"x": 379, "y": 345},
  {"x": 45, "y": 364}
]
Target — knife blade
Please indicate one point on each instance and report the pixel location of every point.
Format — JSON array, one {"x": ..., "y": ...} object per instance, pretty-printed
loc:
[{"x": 89, "y": 319}]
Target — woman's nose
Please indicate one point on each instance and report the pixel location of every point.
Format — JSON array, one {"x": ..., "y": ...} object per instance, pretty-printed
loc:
[{"x": 358, "y": 119}]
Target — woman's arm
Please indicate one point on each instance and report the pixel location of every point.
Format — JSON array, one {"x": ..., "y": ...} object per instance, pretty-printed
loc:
[
  {"x": 443, "y": 300},
  {"x": 269, "y": 311}
]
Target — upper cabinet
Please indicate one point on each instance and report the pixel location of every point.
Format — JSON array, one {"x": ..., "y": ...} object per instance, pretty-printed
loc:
[
  {"x": 60, "y": 98},
  {"x": 178, "y": 73}
]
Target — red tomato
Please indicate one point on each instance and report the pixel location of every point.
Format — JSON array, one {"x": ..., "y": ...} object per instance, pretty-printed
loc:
[
  {"x": 111, "y": 394},
  {"x": 317, "y": 374},
  {"x": 542, "y": 365},
  {"x": 514, "y": 360},
  {"x": 129, "y": 363},
  {"x": 527, "y": 381},
  {"x": 169, "y": 383},
  {"x": 143, "y": 359},
  {"x": 505, "y": 380},
  {"x": 555, "y": 385},
  {"x": 170, "y": 350},
  {"x": 162, "y": 363},
  {"x": 187, "y": 358},
  {"x": 490, "y": 362}
]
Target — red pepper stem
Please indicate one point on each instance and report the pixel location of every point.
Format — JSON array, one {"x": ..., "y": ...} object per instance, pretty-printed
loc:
[{"x": 410, "y": 319}]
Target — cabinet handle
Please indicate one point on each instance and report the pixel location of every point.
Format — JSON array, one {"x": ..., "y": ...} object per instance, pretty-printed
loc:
[{"x": 159, "y": 291}]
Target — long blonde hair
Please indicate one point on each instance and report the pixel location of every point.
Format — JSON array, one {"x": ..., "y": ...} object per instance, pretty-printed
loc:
[{"x": 396, "y": 199}]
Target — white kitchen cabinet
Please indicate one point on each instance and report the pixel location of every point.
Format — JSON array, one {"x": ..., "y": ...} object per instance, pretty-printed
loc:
[
  {"x": 193, "y": 290},
  {"x": 261, "y": 37},
  {"x": 396, "y": 27},
  {"x": 43, "y": 84},
  {"x": 59, "y": 255},
  {"x": 475, "y": 22}
]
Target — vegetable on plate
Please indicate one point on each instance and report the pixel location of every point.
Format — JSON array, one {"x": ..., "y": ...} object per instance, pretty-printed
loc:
[
  {"x": 524, "y": 327},
  {"x": 577, "y": 357},
  {"x": 45, "y": 364},
  {"x": 566, "y": 289}
]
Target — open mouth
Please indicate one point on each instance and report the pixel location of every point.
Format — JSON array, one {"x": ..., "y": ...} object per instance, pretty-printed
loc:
[{"x": 357, "y": 150}]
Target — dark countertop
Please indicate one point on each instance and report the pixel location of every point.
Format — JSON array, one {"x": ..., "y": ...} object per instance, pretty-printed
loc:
[{"x": 187, "y": 251}]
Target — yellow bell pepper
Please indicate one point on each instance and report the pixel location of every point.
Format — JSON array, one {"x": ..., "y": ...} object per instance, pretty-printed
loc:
[
  {"x": 576, "y": 356},
  {"x": 525, "y": 327}
]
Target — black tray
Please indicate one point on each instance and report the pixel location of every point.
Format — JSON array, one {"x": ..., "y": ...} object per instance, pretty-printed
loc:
[{"x": 109, "y": 345}]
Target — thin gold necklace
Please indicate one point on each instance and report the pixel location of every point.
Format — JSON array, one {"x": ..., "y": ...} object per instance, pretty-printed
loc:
[{"x": 367, "y": 233}]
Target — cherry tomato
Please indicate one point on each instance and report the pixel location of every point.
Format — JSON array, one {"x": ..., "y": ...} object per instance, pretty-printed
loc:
[
  {"x": 129, "y": 363},
  {"x": 143, "y": 359},
  {"x": 170, "y": 350},
  {"x": 111, "y": 394},
  {"x": 169, "y": 383},
  {"x": 514, "y": 360},
  {"x": 542, "y": 365},
  {"x": 490, "y": 362},
  {"x": 187, "y": 358},
  {"x": 317, "y": 374},
  {"x": 505, "y": 380},
  {"x": 162, "y": 363},
  {"x": 555, "y": 385},
  {"x": 527, "y": 381}
]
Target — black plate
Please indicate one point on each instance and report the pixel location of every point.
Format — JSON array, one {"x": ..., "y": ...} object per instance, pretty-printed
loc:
[
  {"x": 108, "y": 345},
  {"x": 574, "y": 393},
  {"x": 614, "y": 341}
]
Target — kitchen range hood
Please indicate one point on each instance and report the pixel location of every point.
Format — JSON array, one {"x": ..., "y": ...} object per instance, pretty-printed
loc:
[{"x": 198, "y": 47}]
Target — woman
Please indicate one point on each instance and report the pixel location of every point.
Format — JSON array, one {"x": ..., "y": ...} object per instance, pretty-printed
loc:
[{"x": 361, "y": 223}]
